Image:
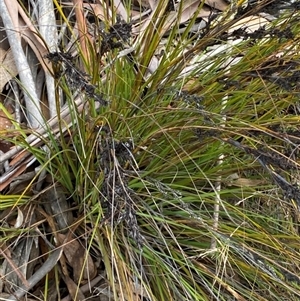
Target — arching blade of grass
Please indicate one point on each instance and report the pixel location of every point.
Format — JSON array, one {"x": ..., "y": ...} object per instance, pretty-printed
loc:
[{"x": 139, "y": 174}]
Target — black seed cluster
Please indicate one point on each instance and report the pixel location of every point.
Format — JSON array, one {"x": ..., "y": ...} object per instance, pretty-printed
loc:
[{"x": 75, "y": 78}]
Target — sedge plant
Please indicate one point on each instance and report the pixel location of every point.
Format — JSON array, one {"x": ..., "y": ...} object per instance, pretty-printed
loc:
[{"x": 156, "y": 142}]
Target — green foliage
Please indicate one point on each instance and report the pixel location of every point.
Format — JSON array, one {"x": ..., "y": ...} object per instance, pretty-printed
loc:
[
  {"x": 188, "y": 183},
  {"x": 145, "y": 169}
]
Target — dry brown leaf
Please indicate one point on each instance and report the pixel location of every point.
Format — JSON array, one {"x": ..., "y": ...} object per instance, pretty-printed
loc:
[
  {"x": 217, "y": 4},
  {"x": 189, "y": 8},
  {"x": 74, "y": 291},
  {"x": 8, "y": 69},
  {"x": 205, "y": 12},
  {"x": 78, "y": 258}
]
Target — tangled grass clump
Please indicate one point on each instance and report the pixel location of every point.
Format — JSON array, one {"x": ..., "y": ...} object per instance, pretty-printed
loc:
[{"x": 170, "y": 171}]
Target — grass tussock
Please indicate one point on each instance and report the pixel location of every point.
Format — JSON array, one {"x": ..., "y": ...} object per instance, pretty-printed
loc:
[{"x": 166, "y": 163}]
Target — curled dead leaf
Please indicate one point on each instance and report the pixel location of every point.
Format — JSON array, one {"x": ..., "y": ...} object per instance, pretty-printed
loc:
[
  {"x": 20, "y": 219},
  {"x": 82, "y": 263}
]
